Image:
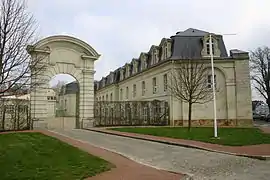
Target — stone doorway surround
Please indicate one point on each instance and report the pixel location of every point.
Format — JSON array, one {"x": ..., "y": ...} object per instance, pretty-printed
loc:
[{"x": 62, "y": 54}]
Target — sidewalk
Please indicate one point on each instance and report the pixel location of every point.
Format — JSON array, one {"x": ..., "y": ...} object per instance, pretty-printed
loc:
[
  {"x": 125, "y": 169},
  {"x": 261, "y": 151}
]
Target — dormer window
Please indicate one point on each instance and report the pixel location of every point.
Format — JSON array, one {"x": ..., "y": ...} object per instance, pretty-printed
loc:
[
  {"x": 165, "y": 48},
  {"x": 154, "y": 56},
  {"x": 206, "y": 47},
  {"x": 112, "y": 77},
  {"x": 127, "y": 70},
  {"x": 135, "y": 67},
  {"x": 143, "y": 62},
  {"x": 122, "y": 76}
]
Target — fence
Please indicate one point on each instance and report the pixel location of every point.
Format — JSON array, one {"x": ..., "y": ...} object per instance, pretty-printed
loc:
[
  {"x": 131, "y": 113},
  {"x": 14, "y": 115}
]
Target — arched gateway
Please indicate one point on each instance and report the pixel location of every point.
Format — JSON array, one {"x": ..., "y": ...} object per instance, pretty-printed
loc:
[{"x": 63, "y": 55}]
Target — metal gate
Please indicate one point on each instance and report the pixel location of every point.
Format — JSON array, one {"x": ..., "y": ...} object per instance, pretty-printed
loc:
[{"x": 67, "y": 115}]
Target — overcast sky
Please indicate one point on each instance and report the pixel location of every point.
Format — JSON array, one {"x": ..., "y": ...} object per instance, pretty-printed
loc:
[{"x": 120, "y": 29}]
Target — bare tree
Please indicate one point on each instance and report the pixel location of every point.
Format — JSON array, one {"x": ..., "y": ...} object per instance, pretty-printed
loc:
[
  {"x": 189, "y": 83},
  {"x": 260, "y": 72},
  {"x": 17, "y": 31}
]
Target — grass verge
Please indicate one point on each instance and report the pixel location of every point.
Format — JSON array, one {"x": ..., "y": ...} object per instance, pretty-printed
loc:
[
  {"x": 227, "y": 136},
  {"x": 27, "y": 156}
]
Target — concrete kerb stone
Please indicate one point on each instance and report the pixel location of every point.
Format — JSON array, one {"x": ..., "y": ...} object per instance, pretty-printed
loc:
[{"x": 259, "y": 157}]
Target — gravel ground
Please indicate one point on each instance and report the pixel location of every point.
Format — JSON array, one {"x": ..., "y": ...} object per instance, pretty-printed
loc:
[{"x": 201, "y": 165}]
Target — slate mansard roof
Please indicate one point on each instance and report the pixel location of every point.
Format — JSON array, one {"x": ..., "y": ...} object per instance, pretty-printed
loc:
[
  {"x": 70, "y": 88},
  {"x": 188, "y": 44}
]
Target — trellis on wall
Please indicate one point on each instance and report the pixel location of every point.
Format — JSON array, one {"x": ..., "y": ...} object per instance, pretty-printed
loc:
[
  {"x": 131, "y": 113},
  {"x": 14, "y": 115}
]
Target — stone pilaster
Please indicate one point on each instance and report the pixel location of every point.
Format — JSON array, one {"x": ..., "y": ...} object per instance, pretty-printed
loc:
[
  {"x": 243, "y": 90},
  {"x": 87, "y": 98},
  {"x": 38, "y": 104}
]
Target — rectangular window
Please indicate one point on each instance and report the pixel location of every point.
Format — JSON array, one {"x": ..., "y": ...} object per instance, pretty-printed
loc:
[
  {"x": 127, "y": 92},
  {"x": 107, "y": 98},
  {"x": 111, "y": 97},
  {"x": 165, "y": 82},
  {"x": 143, "y": 88},
  {"x": 135, "y": 68},
  {"x": 121, "y": 94},
  {"x": 127, "y": 72},
  {"x": 154, "y": 85},
  {"x": 134, "y": 90},
  {"x": 102, "y": 98},
  {"x": 209, "y": 81},
  {"x": 156, "y": 57},
  {"x": 208, "y": 47},
  {"x": 165, "y": 52},
  {"x": 144, "y": 64},
  {"x": 121, "y": 75}
]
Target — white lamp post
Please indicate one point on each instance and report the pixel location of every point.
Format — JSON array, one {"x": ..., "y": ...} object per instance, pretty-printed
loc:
[{"x": 213, "y": 86}]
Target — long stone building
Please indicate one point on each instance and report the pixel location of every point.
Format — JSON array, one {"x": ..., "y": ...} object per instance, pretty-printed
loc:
[{"x": 147, "y": 77}]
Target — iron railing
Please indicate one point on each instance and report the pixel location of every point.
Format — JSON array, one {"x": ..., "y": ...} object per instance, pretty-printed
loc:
[{"x": 131, "y": 113}]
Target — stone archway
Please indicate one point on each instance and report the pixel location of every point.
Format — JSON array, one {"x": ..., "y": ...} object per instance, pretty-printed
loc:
[{"x": 63, "y": 55}]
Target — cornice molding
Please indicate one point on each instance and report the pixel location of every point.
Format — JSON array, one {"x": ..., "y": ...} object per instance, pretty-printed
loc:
[
  {"x": 31, "y": 49},
  {"x": 86, "y": 57},
  {"x": 88, "y": 71}
]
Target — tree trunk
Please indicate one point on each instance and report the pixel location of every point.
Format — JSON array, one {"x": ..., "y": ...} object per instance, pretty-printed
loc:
[{"x": 189, "y": 115}]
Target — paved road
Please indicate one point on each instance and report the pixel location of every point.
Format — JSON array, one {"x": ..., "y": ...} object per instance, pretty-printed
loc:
[
  {"x": 261, "y": 123},
  {"x": 202, "y": 165}
]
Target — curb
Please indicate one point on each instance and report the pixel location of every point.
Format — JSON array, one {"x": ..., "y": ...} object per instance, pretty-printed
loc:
[{"x": 259, "y": 157}]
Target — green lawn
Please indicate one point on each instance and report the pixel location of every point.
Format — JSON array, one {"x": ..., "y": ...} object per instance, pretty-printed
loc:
[
  {"x": 27, "y": 156},
  {"x": 227, "y": 136}
]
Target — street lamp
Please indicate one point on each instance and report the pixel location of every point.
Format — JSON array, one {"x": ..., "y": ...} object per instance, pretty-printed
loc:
[{"x": 213, "y": 84}]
